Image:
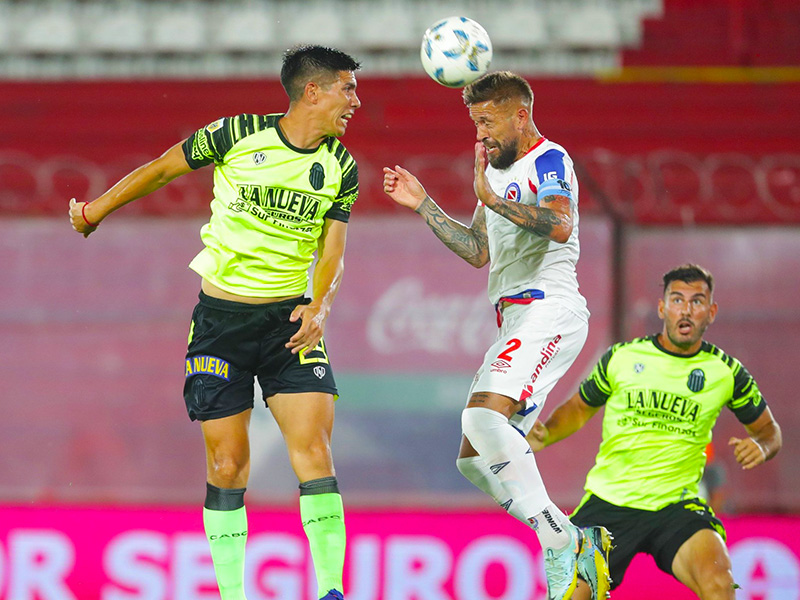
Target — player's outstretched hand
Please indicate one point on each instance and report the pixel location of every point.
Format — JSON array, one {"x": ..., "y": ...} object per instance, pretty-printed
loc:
[
  {"x": 481, "y": 185},
  {"x": 312, "y": 326},
  {"x": 748, "y": 452},
  {"x": 402, "y": 187},
  {"x": 77, "y": 218},
  {"x": 537, "y": 436}
]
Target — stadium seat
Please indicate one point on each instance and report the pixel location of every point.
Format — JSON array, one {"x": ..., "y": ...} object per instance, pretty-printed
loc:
[
  {"x": 118, "y": 29},
  {"x": 51, "y": 31},
  {"x": 529, "y": 30},
  {"x": 587, "y": 27},
  {"x": 380, "y": 26},
  {"x": 246, "y": 28},
  {"x": 312, "y": 22},
  {"x": 178, "y": 27}
]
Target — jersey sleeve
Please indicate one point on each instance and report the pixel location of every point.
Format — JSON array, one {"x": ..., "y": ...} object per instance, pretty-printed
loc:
[
  {"x": 747, "y": 402},
  {"x": 554, "y": 174},
  {"x": 211, "y": 143},
  {"x": 348, "y": 192},
  {"x": 596, "y": 388}
]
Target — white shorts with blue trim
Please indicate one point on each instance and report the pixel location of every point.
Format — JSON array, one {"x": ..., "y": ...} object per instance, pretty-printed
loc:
[{"x": 535, "y": 346}]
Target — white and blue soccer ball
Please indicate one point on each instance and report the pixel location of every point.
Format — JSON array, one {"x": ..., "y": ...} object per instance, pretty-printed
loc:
[{"x": 456, "y": 51}]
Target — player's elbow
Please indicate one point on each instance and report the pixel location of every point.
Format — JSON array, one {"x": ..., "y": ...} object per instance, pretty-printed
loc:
[
  {"x": 478, "y": 260},
  {"x": 562, "y": 233}
]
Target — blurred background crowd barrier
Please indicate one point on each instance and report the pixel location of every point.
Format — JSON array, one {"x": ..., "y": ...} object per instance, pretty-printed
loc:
[{"x": 681, "y": 116}]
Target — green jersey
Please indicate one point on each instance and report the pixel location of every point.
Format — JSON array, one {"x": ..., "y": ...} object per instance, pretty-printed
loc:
[
  {"x": 270, "y": 204},
  {"x": 660, "y": 409}
]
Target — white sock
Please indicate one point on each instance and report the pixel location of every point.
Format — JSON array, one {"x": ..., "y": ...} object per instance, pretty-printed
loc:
[
  {"x": 553, "y": 527},
  {"x": 510, "y": 458},
  {"x": 477, "y": 471}
]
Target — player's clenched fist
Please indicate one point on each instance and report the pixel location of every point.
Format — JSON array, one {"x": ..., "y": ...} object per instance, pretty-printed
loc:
[{"x": 79, "y": 219}]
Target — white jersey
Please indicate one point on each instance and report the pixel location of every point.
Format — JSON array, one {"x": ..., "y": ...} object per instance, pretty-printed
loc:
[{"x": 521, "y": 260}]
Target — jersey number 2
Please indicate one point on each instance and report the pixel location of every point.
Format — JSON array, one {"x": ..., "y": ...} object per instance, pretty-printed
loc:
[{"x": 512, "y": 345}]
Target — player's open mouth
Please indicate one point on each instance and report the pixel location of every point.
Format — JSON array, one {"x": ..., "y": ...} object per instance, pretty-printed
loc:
[{"x": 685, "y": 327}]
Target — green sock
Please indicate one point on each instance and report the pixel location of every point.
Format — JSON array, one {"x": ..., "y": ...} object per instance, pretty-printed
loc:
[
  {"x": 225, "y": 522},
  {"x": 323, "y": 521}
]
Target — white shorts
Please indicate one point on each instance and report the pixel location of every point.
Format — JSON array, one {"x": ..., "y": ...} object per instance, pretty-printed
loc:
[{"x": 535, "y": 346}]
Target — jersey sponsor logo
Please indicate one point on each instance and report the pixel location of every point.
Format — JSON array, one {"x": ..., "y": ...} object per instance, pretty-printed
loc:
[
  {"x": 697, "y": 380},
  {"x": 200, "y": 147},
  {"x": 513, "y": 192},
  {"x": 661, "y": 404},
  {"x": 277, "y": 205},
  {"x": 316, "y": 177},
  {"x": 546, "y": 355},
  {"x": 259, "y": 158},
  {"x": 209, "y": 365}
]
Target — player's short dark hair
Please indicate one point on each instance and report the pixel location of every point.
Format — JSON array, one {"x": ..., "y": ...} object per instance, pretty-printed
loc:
[
  {"x": 305, "y": 63},
  {"x": 689, "y": 273},
  {"x": 498, "y": 86}
]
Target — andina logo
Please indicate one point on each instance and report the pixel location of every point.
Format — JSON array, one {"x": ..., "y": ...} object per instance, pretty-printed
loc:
[{"x": 547, "y": 353}]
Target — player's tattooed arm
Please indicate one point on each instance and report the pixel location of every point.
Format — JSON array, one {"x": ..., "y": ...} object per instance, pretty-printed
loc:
[
  {"x": 470, "y": 243},
  {"x": 551, "y": 219}
]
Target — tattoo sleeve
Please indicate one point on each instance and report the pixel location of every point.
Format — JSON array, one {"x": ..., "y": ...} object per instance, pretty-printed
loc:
[
  {"x": 540, "y": 220},
  {"x": 470, "y": 243}
]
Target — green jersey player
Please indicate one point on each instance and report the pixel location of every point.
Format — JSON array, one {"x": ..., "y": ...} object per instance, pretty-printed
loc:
[
  {"x": 662, "y": 396},
  {"x": 283, "y": 189}
]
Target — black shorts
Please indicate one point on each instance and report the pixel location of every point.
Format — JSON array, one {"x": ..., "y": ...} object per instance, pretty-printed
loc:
[
  {"x": 231, "y": 343},
  {"x": 658, "y": 533}
]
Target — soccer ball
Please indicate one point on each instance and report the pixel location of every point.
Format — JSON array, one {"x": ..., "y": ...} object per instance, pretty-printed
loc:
[{"x": 456, "y": 51}]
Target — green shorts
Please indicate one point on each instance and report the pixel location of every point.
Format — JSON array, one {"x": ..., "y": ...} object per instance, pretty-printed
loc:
[{"x": 231, "y": 343}]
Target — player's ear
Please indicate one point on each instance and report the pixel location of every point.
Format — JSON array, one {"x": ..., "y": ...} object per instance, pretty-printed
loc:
[
  {"x": 661, "y": 306},
  {"x": 311, "y": 92},
  {"x": 712, "y": 312}
]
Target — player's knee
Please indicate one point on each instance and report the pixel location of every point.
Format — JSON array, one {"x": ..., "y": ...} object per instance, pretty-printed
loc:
[
  {"x": 226, "y": 469},
  {"x": 475, "y": 421},
  {"x": 465, "y": 466},
  {"x": 316, "y": 453},
  {"x": 716, "y": 582}
]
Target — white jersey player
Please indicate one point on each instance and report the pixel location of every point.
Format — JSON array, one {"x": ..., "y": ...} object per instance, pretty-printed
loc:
[{"x": 526, "y": 227}]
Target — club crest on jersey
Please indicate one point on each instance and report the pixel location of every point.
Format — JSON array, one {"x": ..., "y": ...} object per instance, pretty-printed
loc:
[
  {"x": 513, "y": 192},
  {"x": 638, "y": 367},
  {"x": 319, "y": 372},
  {"x": 697, "y": 380},
  {"x": 259, "y": 157},
  {"x": 316, "y": 176}
]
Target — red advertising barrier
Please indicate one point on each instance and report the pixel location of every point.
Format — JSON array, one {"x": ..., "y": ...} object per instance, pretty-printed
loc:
[
  {"x": 161, "y": 553},
  {"x": 662, "y": 153}
]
